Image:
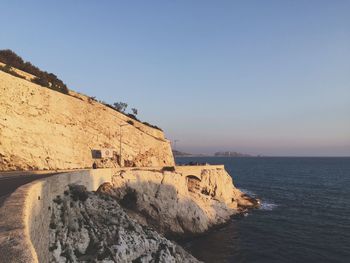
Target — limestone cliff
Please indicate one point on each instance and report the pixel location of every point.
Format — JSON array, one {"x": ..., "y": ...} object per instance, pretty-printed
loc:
[
  {"x": 188, "y": 200},
  {"x": 90, "y": 227},
  {"x": 44, "y": 129},
  {"x": 124, "y": 221}
]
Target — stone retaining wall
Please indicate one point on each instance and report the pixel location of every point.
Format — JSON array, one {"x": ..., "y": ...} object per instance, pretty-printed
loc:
[{"x": 25, "y": 215}]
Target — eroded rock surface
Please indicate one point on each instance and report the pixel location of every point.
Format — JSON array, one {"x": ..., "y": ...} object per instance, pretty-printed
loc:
[
  {"x": 92, "y": 227},
  {"x": 44, "y": 129},
  {"x": 176, "y": 202}
]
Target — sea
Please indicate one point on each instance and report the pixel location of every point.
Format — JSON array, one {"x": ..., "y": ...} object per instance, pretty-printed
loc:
[{"x": 304, "y": 217}]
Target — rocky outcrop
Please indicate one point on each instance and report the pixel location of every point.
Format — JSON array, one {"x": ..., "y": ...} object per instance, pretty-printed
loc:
[
  {"x": 44, "y": 129},
  {"x": 92, "y": 227},
  {"x": 187, "y": 200},
  {"x": 160, "y": 198}
]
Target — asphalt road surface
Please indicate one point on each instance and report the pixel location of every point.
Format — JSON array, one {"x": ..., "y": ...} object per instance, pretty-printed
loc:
[{"x": 10, "y": 181}]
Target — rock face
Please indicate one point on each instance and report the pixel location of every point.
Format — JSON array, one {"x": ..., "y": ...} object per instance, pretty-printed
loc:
[
  {"x": 44, "y": 129},
  {"x": 177, "y": 202},
  {"x": 92, "y": 227}
]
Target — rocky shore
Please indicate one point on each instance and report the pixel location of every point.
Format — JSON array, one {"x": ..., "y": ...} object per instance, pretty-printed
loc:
[
  {"x": 129, "y": 219},
  {"x": 92, "y": 227},
  {"x": 142, "y": 198}
]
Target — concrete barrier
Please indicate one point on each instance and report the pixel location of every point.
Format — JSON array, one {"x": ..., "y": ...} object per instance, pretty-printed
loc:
[{"x": 25, "y": 215}]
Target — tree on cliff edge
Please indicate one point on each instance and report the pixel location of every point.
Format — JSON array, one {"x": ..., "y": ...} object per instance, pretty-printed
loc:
[
  {"x": 120, "y": 106},
  {"x": 134, "y": 111}
]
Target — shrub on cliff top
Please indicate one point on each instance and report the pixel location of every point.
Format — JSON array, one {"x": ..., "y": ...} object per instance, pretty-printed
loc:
[
  {"x": 9, "y": 70},
  {"x": 134, "y": 111},
  {"x": 42, "y": 78},
  {"x": 51, "y": 81},
  {"x": 152, "y": 126},
  {"x": 120, "y": 106},
  {"x": 132, "y": 116},
  {"x": 130, "y": 122}
]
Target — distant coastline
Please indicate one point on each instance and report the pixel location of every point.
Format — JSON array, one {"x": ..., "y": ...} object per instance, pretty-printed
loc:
[{"x": 216, "y": 154}]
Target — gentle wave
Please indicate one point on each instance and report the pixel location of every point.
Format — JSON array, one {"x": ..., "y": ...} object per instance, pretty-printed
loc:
[
  {"x": 248, "y": 192},
  {"x": 265, "y": 205},
  {"x": 304, "y": 214}
]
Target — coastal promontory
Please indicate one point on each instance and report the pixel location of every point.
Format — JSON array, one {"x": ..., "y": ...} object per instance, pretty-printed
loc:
[{"x": 118, "y": 194}]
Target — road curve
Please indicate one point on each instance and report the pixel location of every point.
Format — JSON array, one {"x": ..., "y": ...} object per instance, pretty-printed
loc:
[{"x": 10, "y": 181}]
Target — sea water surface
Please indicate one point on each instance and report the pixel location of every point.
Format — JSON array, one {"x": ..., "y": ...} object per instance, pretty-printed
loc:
[{"x": 305, "y": 214}]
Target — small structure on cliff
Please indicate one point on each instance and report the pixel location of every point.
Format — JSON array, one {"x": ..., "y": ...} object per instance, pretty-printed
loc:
[
  {"x": 47, "y": 115},
  {"x": 105, "y": 157},
  {"x": 108, "y": 153}
]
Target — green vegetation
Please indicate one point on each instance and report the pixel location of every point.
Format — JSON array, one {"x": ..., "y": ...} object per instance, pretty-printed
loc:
[
  {"x": 120, "y": 106},
  {"x": 9, "y": 70},
  {"x": 134, "y": 111},
  {"x": 152, "y": 126},
  {"x": 51, "y": 81},
  {"x": 43, "y": 78}
]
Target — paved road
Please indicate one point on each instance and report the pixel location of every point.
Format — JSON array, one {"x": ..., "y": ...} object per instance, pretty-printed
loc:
[{"x": 9, "y": 182}]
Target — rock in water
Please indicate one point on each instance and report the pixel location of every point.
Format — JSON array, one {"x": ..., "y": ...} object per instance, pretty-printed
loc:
[{"x": 92, "y": 227}]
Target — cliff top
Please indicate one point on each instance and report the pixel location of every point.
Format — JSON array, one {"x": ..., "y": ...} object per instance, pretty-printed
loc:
[{"x": 13, "y": 64}]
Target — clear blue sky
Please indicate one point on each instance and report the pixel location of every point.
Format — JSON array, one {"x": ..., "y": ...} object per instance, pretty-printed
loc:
[{"x": 260, "y": 77}]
